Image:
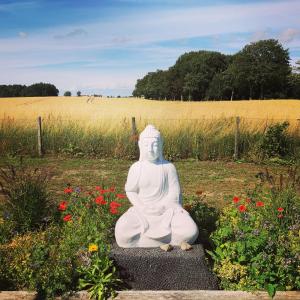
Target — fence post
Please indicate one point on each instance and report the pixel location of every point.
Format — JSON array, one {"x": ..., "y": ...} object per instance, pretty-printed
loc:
[
  {"x": 39, "y": 136},
  {"x": 236, "y": 138},
  {"x": 134, "y": 136}
]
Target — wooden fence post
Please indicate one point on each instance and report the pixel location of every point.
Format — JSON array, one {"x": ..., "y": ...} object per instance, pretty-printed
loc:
[
  {"x": 39, "y": 136},
  {"x": 236, "y": 138},
  {"x": 134, "y": 136}
]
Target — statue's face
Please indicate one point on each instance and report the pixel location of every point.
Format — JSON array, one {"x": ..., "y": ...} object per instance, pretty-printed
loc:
[{"x": 150, "y": 148}]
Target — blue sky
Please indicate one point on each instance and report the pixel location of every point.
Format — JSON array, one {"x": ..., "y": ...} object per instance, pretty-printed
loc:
[{"x": 104, "y": 46}]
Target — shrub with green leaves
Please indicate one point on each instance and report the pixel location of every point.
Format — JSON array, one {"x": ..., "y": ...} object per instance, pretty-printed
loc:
[
  {"x": 275, "y": 142},
  {"x": 257, "y": 243},
  {"x": 26, "y": 202}
]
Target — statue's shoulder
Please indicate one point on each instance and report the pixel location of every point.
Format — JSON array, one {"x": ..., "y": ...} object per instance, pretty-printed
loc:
[
  {"x": 168, "y": 165},
  {"x": 135, "y": 167}
]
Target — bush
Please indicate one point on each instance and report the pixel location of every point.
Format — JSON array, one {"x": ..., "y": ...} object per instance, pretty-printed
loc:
[
  {"x": 205, "y": 217},
  {"x": 26, "y": 201},
  {"x": 257, "y": 241},
  {"x": 70, "y": 254},
  {"x": 275, "y": 142}
]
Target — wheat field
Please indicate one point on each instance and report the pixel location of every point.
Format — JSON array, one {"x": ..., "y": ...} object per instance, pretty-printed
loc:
[
  {"x": 102, "y": 126},
  {"x": 94, "y": 111}
]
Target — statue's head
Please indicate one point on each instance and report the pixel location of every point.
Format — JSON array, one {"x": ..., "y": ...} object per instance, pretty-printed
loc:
[{"x": 150, "y": 144}]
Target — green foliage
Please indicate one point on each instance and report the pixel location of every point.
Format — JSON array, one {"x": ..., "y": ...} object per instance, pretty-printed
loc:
[
  {"x": 275, "y": 142},
  {"x": 37, "y": 89},
  {"x": 205, "y": 217},
  {"x": 67, "y": 94},
  {"x": 99, "y": 277},
  {"x": 26, "y": 199},
  {"x": 257, "y": 241},
  {"x": 260, "y": 70},
  {"x": 69, "y": 253}
]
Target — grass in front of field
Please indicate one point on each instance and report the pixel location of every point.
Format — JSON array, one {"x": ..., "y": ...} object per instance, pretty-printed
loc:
[{"x": 216, "y": 180}]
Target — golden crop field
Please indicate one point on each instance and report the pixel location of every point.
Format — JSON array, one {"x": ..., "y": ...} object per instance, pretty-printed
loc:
[{"x": 93, "y": 111}]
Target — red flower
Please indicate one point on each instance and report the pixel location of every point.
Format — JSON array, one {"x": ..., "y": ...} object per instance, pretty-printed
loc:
[
  {"x": 68, "y": 190},
  {"x": 104, "y": 191},
  {"x": 260, "y": 204},
  {"x": 100, "y": 200},
  {"x": 114, "y": 205},
  {"x": 242, "y": 208},
  {"x": 280, "y": 209},
  {"x": 67, "y": 218},
  {"x": 112, "y": 189},
  {"x": 114, "y": 211},
  {"x": 280, "y": 216},
  {"x": 62, "y": 206},
  {"x": 121, "y": 196},
  {"x": 236, "y": 199},
  {"x": 98, "y": 188}
]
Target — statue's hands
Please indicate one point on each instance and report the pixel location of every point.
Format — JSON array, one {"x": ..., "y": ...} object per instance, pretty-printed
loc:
[{"x": 155, "y": 210}]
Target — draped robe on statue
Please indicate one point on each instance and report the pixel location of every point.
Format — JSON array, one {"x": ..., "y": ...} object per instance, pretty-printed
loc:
[{"x": 156, "y": 185}]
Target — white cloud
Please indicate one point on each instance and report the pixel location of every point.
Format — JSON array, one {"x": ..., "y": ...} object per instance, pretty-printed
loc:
[
  {"x": 23, "y": 34},
  {"x": 73, "y": 34},
  {"x": 289, "y": 35}
]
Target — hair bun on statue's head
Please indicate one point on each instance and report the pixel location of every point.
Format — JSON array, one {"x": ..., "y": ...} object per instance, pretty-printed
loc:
[{"x": 150, "y": 132}]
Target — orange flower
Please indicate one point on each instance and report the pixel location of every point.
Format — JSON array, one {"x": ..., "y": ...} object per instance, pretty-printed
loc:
[
  {"x": 280, "y": 209},
  {"x": 100, "y": 200},
  {"x": 62, "y": 206},
  {"x": 242, "y": 208},
  {"x": 236, "y": 199},
  {"x": 68, "y": 190},
  {"x": 199, "y": 192},
  {"x": 67, "y": 218},
  {"x": 260, "y": 204}
]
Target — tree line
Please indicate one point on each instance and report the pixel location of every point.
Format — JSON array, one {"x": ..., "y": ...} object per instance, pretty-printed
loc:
[
  {"x": 34, "y": 90},
  {"x": 261, "y": 70}
]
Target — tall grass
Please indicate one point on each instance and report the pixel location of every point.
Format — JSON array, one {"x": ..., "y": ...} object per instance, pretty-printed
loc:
[{"x": 201, "y": 139}]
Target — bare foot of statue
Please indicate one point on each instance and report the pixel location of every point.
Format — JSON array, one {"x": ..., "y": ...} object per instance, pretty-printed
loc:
[
  {"x": 166, "y": 247},
  {"x": 185, "y": 246}
]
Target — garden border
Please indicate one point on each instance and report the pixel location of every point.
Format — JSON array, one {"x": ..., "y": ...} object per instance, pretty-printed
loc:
[{"x": 164, "y": 295}]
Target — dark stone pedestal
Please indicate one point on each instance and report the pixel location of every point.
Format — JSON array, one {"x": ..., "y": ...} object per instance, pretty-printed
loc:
[{"x": 155, "y": 269}]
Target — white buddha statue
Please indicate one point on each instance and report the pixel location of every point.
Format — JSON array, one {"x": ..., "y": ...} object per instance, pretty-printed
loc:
[{"x": 157, "y": 216}]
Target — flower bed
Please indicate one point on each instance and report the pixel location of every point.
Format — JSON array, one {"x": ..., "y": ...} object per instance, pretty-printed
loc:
[
  {"x": 62, "y": 247},
  {"x": 257, "y": 243}
]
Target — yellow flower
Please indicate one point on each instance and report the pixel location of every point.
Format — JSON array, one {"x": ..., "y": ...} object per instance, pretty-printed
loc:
[
  {"x": 1, "y": 221},
  {"x": 93, "y": 248}
]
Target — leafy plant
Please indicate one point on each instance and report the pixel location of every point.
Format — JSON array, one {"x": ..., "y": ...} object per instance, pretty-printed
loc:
[
  {"x": 205, "y": 217},
  {"x": 275, "y": 142},
  {"x": 99, "y": 277},
  {"x": 26, "y": 198},
  {"x": 257, "y": 241}
]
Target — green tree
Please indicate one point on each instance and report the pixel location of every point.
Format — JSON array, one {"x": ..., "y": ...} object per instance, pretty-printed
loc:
[
  {"x": 264, "y": 67},
  {"x": 78, "y": 93},
  {"x": 67, "y": 94}
]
